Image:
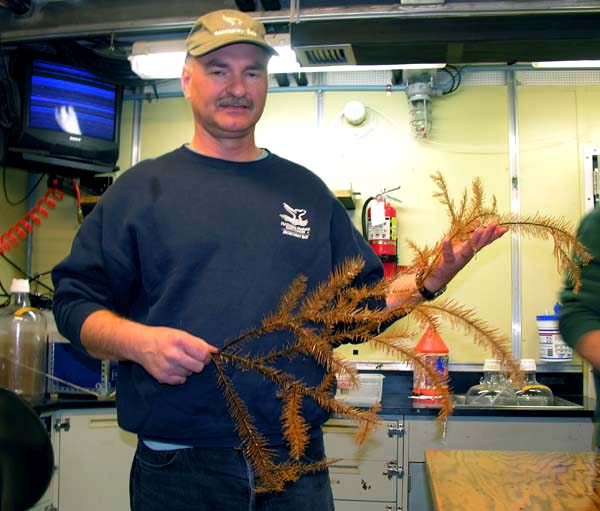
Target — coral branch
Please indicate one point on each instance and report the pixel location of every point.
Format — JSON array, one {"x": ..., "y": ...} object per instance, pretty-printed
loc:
[{"x": 314, "y": 322}]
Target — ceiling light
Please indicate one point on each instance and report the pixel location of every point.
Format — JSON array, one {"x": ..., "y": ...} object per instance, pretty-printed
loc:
[
  {"x": 158, "y": 59},
  {"x": 369, "y": 67},
  {"x": 165, "y": 58},
  {"x": 567, "y": 64},
  {"x": 284, "y": 62}
]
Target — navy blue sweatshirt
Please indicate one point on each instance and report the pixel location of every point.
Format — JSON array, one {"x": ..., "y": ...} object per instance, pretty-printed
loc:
[{"x": 207, "y": 246}]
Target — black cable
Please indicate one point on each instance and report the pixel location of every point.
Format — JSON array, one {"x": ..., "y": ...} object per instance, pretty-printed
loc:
[
  {"x": 29, "y": 277},
  {"x": 452, "y": 77},
  {"x": 9, "y": 96},
  {"x": 21, "y": 201},
  {"x": 455, "y": 74},
  {"x": 5, "y": 294},
  {"x": 41, "y": 300},
  {"x": 459, "y": 78}
]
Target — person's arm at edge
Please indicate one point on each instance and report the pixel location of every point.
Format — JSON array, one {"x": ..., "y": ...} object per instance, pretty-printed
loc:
[
  {"x": 579, "y": 316},
  {"x": 588, "y": 346}
]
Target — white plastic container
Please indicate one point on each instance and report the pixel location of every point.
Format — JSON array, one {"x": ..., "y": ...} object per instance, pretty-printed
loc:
[
  {"x": 367, "y": 394},
  {"x": 552, "y": 346}
]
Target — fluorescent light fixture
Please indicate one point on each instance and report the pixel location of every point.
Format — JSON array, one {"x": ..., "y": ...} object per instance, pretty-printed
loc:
[
  {"x": 158, "y": 59},
  {"x": 284, "y": 62},
  {"x": 370, "y": 67},
  {"x": 165, "y": 59},
  {"x": 567, "y": 64}
]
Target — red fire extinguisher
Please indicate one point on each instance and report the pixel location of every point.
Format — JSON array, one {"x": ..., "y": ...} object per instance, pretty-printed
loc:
[{"x": 380, "y": 231}]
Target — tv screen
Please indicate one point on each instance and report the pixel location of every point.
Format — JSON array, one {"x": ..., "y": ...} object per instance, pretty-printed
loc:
[
  {"x": 70, "y": 118},
  {"x": 64, "y": 98}
]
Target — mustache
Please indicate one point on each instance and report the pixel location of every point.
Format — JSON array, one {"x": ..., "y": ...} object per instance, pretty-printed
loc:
[{"x": 236, "y": 102}]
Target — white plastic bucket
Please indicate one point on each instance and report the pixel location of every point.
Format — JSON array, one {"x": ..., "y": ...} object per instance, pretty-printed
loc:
[{"x": 552, "y": 346}]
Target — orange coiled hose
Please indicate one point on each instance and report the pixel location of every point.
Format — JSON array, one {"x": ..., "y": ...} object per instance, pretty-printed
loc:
[{"x": 24, "y": 226}]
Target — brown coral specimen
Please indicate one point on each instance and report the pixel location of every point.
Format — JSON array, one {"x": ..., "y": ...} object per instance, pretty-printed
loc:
[{"x": 336, "y": 312}]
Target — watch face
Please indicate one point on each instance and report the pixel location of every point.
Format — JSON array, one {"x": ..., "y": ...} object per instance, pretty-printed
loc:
[
  {"x": 439, "y": 291},
  {"x": 428, "y": 295},
  {"x": 425, "y": 293}
]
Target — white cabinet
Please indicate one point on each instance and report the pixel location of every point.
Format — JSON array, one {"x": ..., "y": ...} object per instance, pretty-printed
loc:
[
  {"x": 386, "y": 473},
  {"x": 93, "y": 456},
  {"x": 364, "y": 476}
]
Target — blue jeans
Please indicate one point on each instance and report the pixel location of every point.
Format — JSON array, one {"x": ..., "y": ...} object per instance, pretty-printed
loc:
[{"x": 215, "y": 479}]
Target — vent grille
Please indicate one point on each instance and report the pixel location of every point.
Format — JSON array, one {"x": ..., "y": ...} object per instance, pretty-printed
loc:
[{"x": 325, "y": 55}]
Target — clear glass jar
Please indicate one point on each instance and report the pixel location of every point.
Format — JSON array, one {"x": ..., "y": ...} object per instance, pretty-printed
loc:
[
  {"x": 493, "y": 390},
  {"x": 23, "y": 341},
  {"x": 531, "y": 392}
]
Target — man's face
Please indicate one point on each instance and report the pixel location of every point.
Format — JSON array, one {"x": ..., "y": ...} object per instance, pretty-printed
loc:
[{"x": 227, "y": 89}]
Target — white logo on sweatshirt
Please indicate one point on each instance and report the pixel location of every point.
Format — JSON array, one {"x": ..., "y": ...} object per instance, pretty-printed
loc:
[{"x": 293, "y": 222}]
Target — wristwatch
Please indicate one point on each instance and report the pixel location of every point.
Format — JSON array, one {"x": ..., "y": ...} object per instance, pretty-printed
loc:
[{"x": 426, "y": 293}]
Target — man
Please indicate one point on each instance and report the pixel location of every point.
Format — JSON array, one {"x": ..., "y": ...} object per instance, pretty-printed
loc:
[
  {"x": 579, "y": 316},
  {"x": 190, "y": 249}
]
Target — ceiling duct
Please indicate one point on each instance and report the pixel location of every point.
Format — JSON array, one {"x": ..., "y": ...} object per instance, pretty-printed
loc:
[
  {"x": 455, "y": 39},
  {"x": 326, "y": 55}
]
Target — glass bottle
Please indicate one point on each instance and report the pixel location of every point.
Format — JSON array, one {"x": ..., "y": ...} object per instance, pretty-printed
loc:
[
  {"x": 532, "y": 393},
  {"x": 493, "y": 390},
  {"x": 23, "y": 341}
]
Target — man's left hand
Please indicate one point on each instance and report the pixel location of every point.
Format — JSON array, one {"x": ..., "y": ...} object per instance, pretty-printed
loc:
[{"x": 455, "y": 258}]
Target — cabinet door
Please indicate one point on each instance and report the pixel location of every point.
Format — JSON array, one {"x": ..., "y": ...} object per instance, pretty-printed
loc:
[
  {"x": 499, "y": 433},
  {"x": 361, "y": 480},
  {"x": 419, "y": 492},
  {"x": 340, "y": 441},
  {"x": 349, "y": 505},
  {"x": 94, "y": 461},
  {"x": 49, "y": 501},
  {"x": 360, "y": 471}
]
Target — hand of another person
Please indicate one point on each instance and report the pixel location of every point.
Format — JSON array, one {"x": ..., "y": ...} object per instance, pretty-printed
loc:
[
  {"x": 455, "y": 258},
  {"x": 171, "y": 355},
  {"x": 66, "y": 118}
]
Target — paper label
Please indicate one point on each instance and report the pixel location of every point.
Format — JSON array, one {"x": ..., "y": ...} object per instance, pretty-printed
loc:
[{"x": 378, "y": 213}]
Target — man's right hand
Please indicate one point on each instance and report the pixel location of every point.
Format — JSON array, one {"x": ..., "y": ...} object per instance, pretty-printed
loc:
[
  {"x": 168, "y": 354},
  {"x": 172, "y": 355}
]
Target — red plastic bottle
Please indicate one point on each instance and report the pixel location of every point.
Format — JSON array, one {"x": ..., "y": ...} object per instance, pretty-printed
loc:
[{"x": 434, "y": 353}]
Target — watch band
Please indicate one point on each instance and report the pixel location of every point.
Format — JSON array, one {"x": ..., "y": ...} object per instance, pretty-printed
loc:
[{"x": 426, "y": 293}]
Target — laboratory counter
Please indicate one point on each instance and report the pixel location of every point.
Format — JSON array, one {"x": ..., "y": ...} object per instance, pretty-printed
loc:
[{"x": 398, "y": 401}]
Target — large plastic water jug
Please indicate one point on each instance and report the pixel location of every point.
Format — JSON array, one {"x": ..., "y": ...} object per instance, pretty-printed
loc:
[{"x": 22, "y": 344}]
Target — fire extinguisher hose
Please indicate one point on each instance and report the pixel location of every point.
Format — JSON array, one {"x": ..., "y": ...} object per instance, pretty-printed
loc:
[{"x": 363, "y": 218}]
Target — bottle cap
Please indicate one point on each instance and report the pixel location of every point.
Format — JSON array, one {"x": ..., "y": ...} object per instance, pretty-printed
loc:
[
  {"x": 19, "y": 286},
  {"x": 491, "y": 365},
  {"x": 431, "y": 342},
  {"x": 528, "y": 364}
]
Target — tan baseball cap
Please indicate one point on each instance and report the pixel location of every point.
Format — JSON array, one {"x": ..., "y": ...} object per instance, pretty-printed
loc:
[{"x": 222, "y": 28}]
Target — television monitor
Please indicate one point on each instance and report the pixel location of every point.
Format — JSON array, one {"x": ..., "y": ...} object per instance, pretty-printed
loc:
[{"x": 69, "y": 118}]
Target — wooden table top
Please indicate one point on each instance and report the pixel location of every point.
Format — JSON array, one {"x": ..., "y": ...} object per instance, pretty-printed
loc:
[{"x": 514, "y": 480}]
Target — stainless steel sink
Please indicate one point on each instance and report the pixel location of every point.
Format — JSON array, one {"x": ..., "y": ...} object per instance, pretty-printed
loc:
[{"x": 458, "y": 400}]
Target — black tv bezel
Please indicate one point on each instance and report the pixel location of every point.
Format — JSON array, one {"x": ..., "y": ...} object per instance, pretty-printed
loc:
[{"x": 56, "y": 151}]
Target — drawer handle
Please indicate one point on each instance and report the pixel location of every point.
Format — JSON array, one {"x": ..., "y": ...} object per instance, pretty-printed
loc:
[
  {"x": 109, "y": 422},
  {"x": 350, "y": 429},
  {"x": 344, "y": 469}
]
